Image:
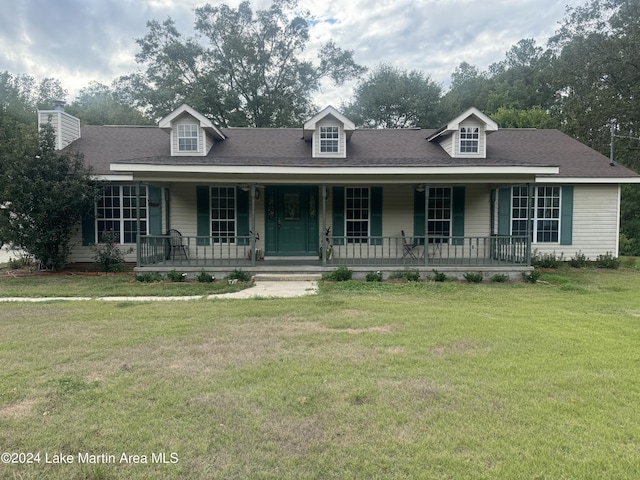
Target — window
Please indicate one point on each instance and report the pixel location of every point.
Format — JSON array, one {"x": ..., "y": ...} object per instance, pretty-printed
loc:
[
  {"x": 544, "y": 213},
  {"x": 469, "y": 139},
  {"x": 187, "y": 137},
  {"x": 439, "y": 214},
  {"x": 117, "y": 211},
  {"x": 223, "y": 214},
  {"x": 329, "y": 139},
  {"x": 357, "y": 214}
]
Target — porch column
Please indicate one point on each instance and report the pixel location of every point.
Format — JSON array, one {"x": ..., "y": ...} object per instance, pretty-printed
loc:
[
  {"x": 531, "y": 206},
  {"x": 324, "y": 225},
  {"x": 252, "y": 220},
  {"x": 138, "y": 252},
  {"x": 426, "y": 224}
]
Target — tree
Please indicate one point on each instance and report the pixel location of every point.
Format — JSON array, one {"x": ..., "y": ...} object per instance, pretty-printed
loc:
[
  {"x": 99, "y": 104},
  {"x": 521, "y": 81},
  {"x": 44, "y": 195},
  {"x": 469, "y": 88},
  {"x": 597, "y": 77},
  {"x": 530, "y": 118},
  {"x": 249, "y": 70},
  {"x": 394, "y": 98}
]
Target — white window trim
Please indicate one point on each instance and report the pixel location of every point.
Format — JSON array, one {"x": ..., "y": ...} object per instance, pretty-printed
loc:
[
  {"x": 534, "y": 215},
  {"x": 322, "y": 137},
  {"x": 182, "y": 134},
  {"x": 230, "y": 240},
  {"x": 361, "y": 239},
  {"x": 469, "y": 134},
  {"x": 144, "y": 199}
]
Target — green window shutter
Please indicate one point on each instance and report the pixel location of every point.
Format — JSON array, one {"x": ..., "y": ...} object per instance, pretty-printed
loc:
[
  {"x": 419, "y": 225},
  {"x": 504, "y": 211},
  {"x": 338, "y": 215},
  {"x": 89, "y": 229},
  {"x": 566, "y": 216},
  {"x": 203, "y": 214},
  {"x": 155, "y": 210},
  {"x": 457, "y": 215},
  {"x": 376, "y": 215},
  {"x": 242, "y": 215}
]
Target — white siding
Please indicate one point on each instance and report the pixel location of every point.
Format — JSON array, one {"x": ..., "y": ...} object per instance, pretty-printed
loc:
[
  {"x": 342, "y": 144},
  {"x": 447, "y": 145},
  {"x": 477, "y": 211},
  {"x": 67, "y": 127},
  {"x": 481, "y": 140},
  {"x": 595, "y": 223},
  {"x": 187, "y": 120}
]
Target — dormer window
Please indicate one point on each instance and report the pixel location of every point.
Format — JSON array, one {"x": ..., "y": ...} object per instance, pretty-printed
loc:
[
  {"x": 469, "y": 139},
  {"x": 329, "y": 137},
  {"x": 187, "y": 137}
]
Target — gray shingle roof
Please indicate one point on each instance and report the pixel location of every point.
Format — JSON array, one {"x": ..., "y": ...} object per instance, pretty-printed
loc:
[{"x": 102, "y": 146}]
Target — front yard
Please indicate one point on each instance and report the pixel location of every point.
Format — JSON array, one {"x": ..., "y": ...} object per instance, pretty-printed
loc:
[{"x": 364, "y": 380}]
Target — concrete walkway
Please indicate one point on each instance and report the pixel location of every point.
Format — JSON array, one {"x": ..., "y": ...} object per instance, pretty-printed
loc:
[{"x": 261, "y": 289}]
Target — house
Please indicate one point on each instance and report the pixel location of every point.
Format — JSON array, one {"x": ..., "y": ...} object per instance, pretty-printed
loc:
[{"x": 466, "y": 197}]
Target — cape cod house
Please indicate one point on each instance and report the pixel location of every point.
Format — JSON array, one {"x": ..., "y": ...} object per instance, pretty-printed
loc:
[{"x": 467, "y": 197}]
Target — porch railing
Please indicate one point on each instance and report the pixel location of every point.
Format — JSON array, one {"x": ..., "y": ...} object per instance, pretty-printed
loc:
[
  {"x": 434, "y": 251},
  {"x": 430, "y": 251}
]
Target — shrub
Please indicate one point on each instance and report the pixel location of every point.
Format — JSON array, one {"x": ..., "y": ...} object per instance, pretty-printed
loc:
[
  {"x": 439, "y": 276},
  {"x": 204, "y": 277},
  {"x": 20, "y": 262},
  {"x": 546, "y": 260},
  {"x": 406, "y": 275},
  {"x": 473, "y": 277},
  {"x": 174, "y": 276},
  {"x": 239, "y": 275},
  {"x": 149, "y": 277},
  {"x": 580, "y": 260},
  {"x": 531, "y": 277},
  {"x": 108, "y": 254},
  {"x": 374, "y": 276},
  {"x": 499, "y": 278},
  {"x": 607, "y": 261},
  {"x": 340, "y": 274}
]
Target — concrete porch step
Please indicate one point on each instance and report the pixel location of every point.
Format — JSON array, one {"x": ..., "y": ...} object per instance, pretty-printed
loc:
[{"x": 287, "y": 277}]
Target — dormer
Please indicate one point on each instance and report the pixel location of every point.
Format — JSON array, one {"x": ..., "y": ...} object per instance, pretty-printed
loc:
[
  {"x": 192, "y": 134},
  {"x": 466, "y": 135},
  {"x": 328, "y": 131}
]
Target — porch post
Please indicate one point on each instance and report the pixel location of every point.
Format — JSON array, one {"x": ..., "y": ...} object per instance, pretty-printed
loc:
[
  {"x": 324, "y": 225},
  {"x": 426, "y": 224},
  {"x": 252, "y": 220},
  {"x": 138, "y": 252},
  {"x": 531, "y": 206}
]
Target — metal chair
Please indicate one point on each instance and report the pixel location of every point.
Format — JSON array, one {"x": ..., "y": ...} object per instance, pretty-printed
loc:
[
  {"x": 175, "y": 243},
  {"x": 407, "y": 248}
]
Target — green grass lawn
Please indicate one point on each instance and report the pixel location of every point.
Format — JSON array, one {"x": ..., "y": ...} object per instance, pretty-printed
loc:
[
  {"x": 428, "y": 380},
  {"x": 74, "y": 285}
]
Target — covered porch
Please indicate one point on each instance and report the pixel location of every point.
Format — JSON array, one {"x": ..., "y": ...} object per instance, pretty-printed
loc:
[{"x": 193, "y": 253}]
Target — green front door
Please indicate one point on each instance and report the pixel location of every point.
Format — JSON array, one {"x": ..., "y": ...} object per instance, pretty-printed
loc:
[{"x": 291, "y": 220}]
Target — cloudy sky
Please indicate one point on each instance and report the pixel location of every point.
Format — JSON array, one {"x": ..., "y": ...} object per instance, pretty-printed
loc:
[{"x": 79, "y": 41}]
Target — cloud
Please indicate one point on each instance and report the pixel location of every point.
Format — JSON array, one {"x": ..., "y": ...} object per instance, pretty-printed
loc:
[{"x": 78, "y": 41}]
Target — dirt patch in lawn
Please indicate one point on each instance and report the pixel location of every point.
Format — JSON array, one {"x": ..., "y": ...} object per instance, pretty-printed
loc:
[{"x": 21, "y": 409}]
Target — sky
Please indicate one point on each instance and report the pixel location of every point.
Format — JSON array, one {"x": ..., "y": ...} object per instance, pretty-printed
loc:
[{"x": 80, "y": 41}]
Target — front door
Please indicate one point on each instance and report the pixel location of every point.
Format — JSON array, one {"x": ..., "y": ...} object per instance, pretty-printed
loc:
[{"x": 291, "y": 220}]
